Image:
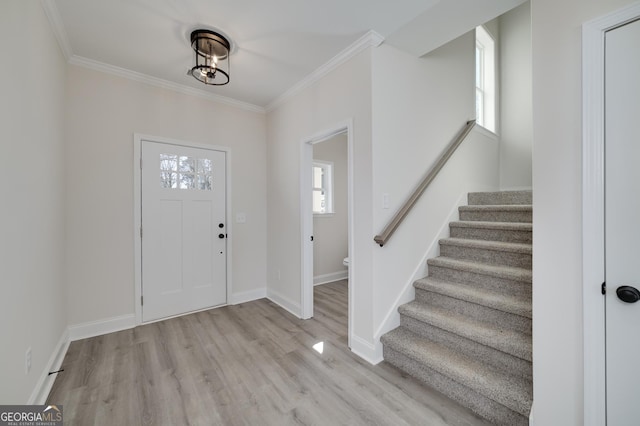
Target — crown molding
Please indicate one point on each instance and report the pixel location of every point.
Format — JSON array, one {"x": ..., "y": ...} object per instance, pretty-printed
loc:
[
  {"x": 164, "y": 84},
  {"x": 55, "y": 20},
  {"x": 57, "y": 26},
  {"x": 370, "y": 39}
]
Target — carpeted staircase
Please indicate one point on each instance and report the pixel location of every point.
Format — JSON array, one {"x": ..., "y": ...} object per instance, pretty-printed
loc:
[{"x": 468, "y": 331}]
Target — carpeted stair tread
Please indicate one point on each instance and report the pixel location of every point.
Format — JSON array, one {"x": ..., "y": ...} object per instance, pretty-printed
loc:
[
  {"x": 512, "y": 392},
  {"x": 507, "y": 226},
  {"x": 505, "y": 272},
  {"x": 501, "y": 197},
  {"x": 497, "y": 213},
  {"x": 510, "y": 232},
  {"x": 488, "y": 245},
  {"x": 480, "y": 296},
  {"x": 508, "y": 341},
  {"x": 468, "y": 331},
  {"x": 497, "y": 207}
]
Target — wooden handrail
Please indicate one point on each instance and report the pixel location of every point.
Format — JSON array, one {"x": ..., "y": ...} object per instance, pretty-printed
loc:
[{"x": 388, "y": 231}]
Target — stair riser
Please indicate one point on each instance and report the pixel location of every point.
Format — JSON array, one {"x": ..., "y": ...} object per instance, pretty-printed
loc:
[
  {"x": 488, "y": 257},
  {"x": 490, "y": 356},
  {"x": 502, "y": 235},
  {"x": 500, "y": 198},
  {"x": 496, "y": 216},
  {"x": 488, "y": 282},
  {"x": 480, "y": 404},
  {"x": 500, "y": 319}
]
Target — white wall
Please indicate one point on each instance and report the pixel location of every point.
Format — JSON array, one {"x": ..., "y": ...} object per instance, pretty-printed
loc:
[
  {"x": 557, "y": 224},
  {"x": 330, "y": 238},
  {"x": 419, "y": 105},
  {"x": 32, "y": 294},
  {"x": 516, "y": 134},
  {"x": 103, "y": 113},
  {"x": 344, "y": 93}
]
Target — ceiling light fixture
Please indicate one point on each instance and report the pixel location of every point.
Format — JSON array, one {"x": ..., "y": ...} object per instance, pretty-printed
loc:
[{"x": 212, "y": 52}]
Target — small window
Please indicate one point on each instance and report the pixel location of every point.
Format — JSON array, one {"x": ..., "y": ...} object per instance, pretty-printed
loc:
[
  {"x": 184, "y": 172},
  {"x": 322, "y": 191},
  {"x": 485, "y": 80}
]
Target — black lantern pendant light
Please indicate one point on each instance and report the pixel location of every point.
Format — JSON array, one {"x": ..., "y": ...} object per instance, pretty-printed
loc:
[{"x": 212, "y": 57}]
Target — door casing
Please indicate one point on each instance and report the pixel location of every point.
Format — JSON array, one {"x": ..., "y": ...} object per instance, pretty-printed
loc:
[
  {"x": 137, "y": 213},
  {"x": 593, "y": 174},
  {"x": 306, "y": 219}
]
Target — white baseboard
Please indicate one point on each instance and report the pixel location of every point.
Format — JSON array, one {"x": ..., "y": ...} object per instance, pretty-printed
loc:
[
  {"x": 247, "y": 296},
  {"x": 372, "y": 353},
  {"x": 100, "y": 327},
  {"x": 329, "y": 278},
  {"x": 285, "y": 303},
  {"x": 45, "y": 382}
]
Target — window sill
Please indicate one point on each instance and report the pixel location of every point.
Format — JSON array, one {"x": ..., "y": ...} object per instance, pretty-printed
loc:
[{"x": 486, "y": 132}]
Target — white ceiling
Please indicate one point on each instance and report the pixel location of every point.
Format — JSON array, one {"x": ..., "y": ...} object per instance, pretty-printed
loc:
[{"x": 278, "y": 43}]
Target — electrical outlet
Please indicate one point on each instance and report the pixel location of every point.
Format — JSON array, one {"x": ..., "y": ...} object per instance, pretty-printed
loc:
[{"x": 27, "y": 361}]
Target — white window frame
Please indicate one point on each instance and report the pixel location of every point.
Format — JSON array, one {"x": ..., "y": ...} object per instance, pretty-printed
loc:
[
  {"x": 327, "y": 188},
  {"x": 485, "y": 83}
]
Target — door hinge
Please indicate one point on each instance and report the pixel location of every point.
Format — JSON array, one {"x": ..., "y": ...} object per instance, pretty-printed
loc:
[
  {"x": 141, "y": 300},
  {"x": 141, "y": 164},
  {"x": 603, "y": 288},
  {"x": 141, "y": 232}
]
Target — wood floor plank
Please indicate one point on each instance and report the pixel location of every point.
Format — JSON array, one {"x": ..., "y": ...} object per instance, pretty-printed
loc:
[{"x": 248, "y": 364}]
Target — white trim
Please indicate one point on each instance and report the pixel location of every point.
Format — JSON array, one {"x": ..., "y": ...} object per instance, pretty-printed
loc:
[
  {"x": 55, "y": 20},
  {"x": 164, "y": 84},
  {"x": 137, "y": 211},
  {"x": 45, "y": 382},
  {"x": 100, "y": 327},
  {"x": 306, "y": 220},
  {"x": 392, "y": 318},
  {"x": 367, "y": 351},
  {"x": 370, "y": 39},
  {"x": 284, "y": 302},
  {"x": 593, "y": 209},
  {"x": 248, "y": 296},
  {"x": 330, "y": 278}
]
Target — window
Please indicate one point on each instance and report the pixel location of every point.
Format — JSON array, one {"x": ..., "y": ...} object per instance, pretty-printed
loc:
[
  {"x": 485, "y": 80},
  {"x": 183, "y": 172},
  {"x": 322, "y": 190}
]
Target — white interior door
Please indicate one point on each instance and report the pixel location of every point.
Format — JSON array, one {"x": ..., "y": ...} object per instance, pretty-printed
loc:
[
  {"x": 183, "y": 229},
  {"x": 622, "y": 223}
]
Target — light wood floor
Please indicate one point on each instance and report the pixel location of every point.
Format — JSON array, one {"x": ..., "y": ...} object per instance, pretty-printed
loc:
[{"x": 248, "y": 364}]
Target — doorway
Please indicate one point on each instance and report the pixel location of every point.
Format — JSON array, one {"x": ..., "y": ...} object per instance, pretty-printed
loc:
[
  {"x": 609, "y": 99},
  {"x": 336, "y": 250},
  {"x": 182, "y": 246}
]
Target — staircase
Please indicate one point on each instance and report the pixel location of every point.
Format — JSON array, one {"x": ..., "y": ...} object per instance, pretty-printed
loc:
[{"x": 468, "y": 331}]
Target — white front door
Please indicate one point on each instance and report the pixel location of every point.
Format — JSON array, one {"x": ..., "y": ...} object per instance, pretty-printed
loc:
[
  {"x": 622, "y": 223},
  {"x": 183, "y": 229}
]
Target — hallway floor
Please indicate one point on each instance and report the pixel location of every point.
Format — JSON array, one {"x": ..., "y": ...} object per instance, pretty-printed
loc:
[{"x": 248, "y": 364}]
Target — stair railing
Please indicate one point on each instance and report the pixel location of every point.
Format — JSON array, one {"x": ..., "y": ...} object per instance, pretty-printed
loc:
[{"x": 391, "y": 227}]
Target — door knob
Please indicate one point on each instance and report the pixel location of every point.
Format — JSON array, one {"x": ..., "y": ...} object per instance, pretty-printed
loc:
[{"x": 628, "y": 294}]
